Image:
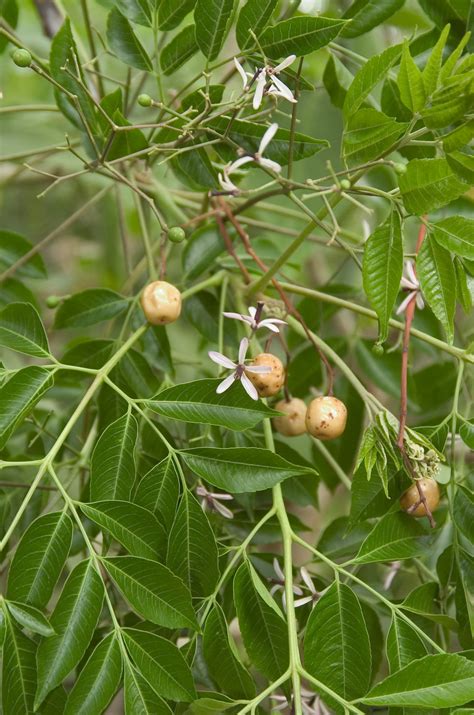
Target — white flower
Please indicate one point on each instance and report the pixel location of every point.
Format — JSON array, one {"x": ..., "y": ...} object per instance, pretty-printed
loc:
[
  {"x": 410, "y": 283},
  {"x": 394, "y": 568},
  {"x": 259, "y": 88},
  {"x": 258, "y": 158},
  {"x": 239, "y": 369},
  {"x": 277, "y": 87},
  {"x": 254, "y": 321},
  {"x": 243, "y": 74},
  {"x": 313, "y": 594},
  {"x": 279, "y": 583},
  {"x": 213, "y": 501}
]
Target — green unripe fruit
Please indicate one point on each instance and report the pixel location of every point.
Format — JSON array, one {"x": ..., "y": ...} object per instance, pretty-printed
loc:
[
  {"x": 52, "y": 301},
  {"x": 21, "y": 58},
  {"x": 345, "y": 184},
  {"x": 377, "y": 349},
  {"x": 144, "y": 100},
  {"x": 176, "y": 234},
  {"x": 400, "y": 168}
]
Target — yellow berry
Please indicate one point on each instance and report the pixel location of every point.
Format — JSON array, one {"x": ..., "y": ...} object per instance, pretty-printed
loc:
[
  {"x": 269, "y": 383},
  {"x": 161, "y": 303},
  {"x": 292, "y": 423},
  {"x": 326, "y": 418},
  {"x": 411, "y": 497}
]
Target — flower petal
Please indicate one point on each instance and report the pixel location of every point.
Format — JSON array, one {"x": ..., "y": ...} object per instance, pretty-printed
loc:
[
  {"x": 238, "y": 163},
  {"x": 241, "y": 72},
  {"x": 303, "y": 601},
  {"x": 410, "y": 268},
  {"x": 223, "y": 510},
  {"x": 227, "y": 184},
  {"x": 243, "y": 347},
  {"x": 283, "y": 90},
  {"x": 258, "y": 369},
  {"x": 278, "y": 570},
  {"x": 252, "y": 311},
  {"x": 284, "y": 64},
  {"x": 404, "y": 304},
  {"x": 225, "y": 384},
  {"x": 307, "y": 579},
  {"x": 269, "y": 164},
  {"x": 250, "y": 389},
  {"x": 221, "y": 359},
  {"x": 238, "y": 316},
  {"x": 267, "y": 137},
  {"x": 259, "y": 89}
]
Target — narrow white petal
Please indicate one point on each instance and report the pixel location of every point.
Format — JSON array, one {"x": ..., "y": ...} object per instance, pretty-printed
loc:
[
  {"x": 223, "y": 510},
  {"x": 243, "y": 347},
  {"x": 238, "y": 163},
  {"x": 278, "y": 570},
  {"x": 302, "y": 601},
  {"x": 419, "y": 301},
  {"x": 275, "y": 588},
  {"x": 259, "y": 369},
  {"x": 222, "y": 360},
  {"x": 267, "y": 137},
  {"x": 250, "y": 389},
  {"x": 225, "y": 384},
  {"x": 260, "y": 86},
  {"x": 241, "y": 72},
  {"x": 222, "y": 497},
  {"x": 411, "y": 272},
  {"x": 236, "y": 316},
  {"x": 283, "y": 89},
  {"x": 297, "y": 591},
  {"x": 284, "y": 63},
  {"x": 405, "y": 283},
  {"x": 252, "y": 312},
  {"x": 268, "y": 324},
  {"x": 307, "y": 579},
  {"x": 227, "y": 184},
  {"x": 270, "y": 164},
  {"x": 404, "y": 304}
]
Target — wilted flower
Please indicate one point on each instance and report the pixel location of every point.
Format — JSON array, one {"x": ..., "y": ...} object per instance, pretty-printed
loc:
[
  {"x": 279, "y": 583},
  {"x": 254, "y": 321},
  {"x": 258, "y": 158},
  {"x": 313, "y": 594},
  {"x": 410, "y": 283},
  {"x": 212, "y": 500},
  {"x": 239, "y": 369}
]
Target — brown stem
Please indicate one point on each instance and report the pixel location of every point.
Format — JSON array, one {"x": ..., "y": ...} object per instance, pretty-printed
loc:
[
  {"x": 409, "y": 315},
  {"x": 290, "y": 308}
]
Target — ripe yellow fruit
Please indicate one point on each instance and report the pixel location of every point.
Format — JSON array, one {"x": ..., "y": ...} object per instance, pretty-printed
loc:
[
  {"x": 292, "y": 423},
  {"x": 269, "y": 383},
  {"x": 326, "y": 418},
  {"x": 161, "y": 303},
  {"x": 411, "y": 496}
]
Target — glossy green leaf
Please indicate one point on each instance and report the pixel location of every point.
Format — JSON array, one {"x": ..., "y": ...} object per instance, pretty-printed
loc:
[
  {"x": 124, "y": 42},
  {"x": 98, "y": 680},
  {"x": 198, "y": 402},
  {"x": 336, "y": 79},
  {"x": 80, "y": 602},
  {"x": 338, "y": 540},
  {"x": 367, "y": 14},
  {"x": 171, "y": 12},
  {"x": 464, "y": 512},
  {"x": 462, "y": 164},
  {"x": 19, "y": 395},
  {"x": 133, "y": 526},
  {"x": 429, "y": 184},
  {"x": 162, "y": 665},
  {"x": 456, "y": 233},
  {"x": 403, "y": 644},
  {"x": 463, "y": 292},
  {"x": 383, "y": 268},
  {"x": 39, "y": 559},
  {"x": 466, "y": 432},
  {"x": 179, "y": 50},
  {"x": 370, "y": 134},
  {"x": 18, "y": 671},
  {"x": 240, "y": 470},
  {"x": 21, "y": 329},
  {"x": 13, "y": 248},
  {"x": 138, "y": 11},
  {"x": 152, "y": 590},
  {"x": 395, "y": 537},
  {"x": 89, "y": 307},
  {"x": 9, "y": 11},
  {"x": 432, "y": 682},
  {"x": 299, "y": 35},
  {"x": 433, "y": 65},
  {"x": 221, "y": 657},
  {"x": 139, "y": 697},
  {"x": 195, "y": 169},
  {"x": 212, "y": 18},
  {"x": 410, "y": 82},
  {"x": 368, "y": 77},
  {"x": 424, "y": 601},
  {"x": 254, "y": 16},
  {"x": 336, "y": 646},
  {"x": 262, "y": 625},
  {"x": 192, "y": 549},
  {"x": 438, "y": 282},
  {"x": 113, "y": 462},
  {"x": 31, "y": 618},
  {"x": 158, "y": 491}
]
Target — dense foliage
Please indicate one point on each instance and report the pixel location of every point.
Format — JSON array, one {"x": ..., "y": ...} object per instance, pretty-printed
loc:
[{"x": 237, "y": 274}]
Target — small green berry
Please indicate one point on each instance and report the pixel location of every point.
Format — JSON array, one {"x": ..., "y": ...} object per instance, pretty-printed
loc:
[
  {"x": 400, "y": 168},
  {"x": 176, "y": 234},
  {"x": 377, "y": 349},
  {"x": 52, "y": 301},
  {"x": 345, "y": 184},
  {"x": 21, "y": 58},
  {"x": 144, "y": 100}
]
